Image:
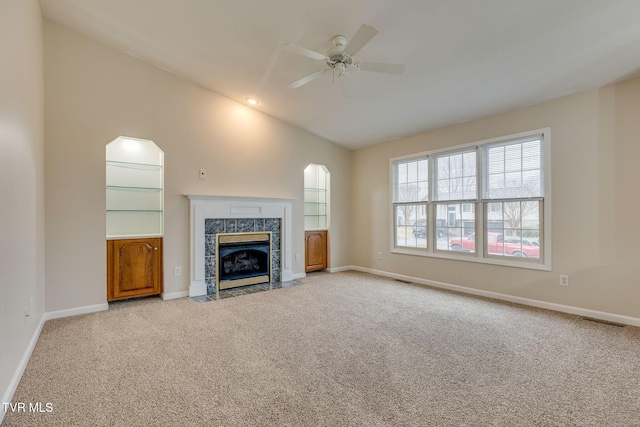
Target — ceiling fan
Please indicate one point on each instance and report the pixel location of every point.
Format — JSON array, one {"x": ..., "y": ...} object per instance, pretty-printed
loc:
[{"x": 341, "y": 57}]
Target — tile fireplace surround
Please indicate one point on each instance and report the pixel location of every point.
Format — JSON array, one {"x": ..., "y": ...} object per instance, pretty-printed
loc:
[{"x": 203, "y": 207}]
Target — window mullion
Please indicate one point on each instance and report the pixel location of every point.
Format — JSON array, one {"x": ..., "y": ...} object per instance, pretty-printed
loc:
[
  {"x": 479, "y": 207},
  {"x": 431, "y": 212},
  {"x": 480, "y": 230},
  {"x": 514, "y": 199},
  {"x": 410, "y": 203}
]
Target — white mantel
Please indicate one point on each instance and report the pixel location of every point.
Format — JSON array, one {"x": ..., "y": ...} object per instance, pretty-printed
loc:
[{"x": 203, "y": 207}]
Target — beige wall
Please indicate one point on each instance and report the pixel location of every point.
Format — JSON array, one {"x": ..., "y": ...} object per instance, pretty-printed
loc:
[
  {"x": 595, "y": 174},
  {"x": 21, "y": 184},
  {"x": 94, "y": 94}
]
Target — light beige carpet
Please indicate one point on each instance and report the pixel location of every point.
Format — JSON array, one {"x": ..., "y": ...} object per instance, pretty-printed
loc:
[{"x": 345, "y": 349}]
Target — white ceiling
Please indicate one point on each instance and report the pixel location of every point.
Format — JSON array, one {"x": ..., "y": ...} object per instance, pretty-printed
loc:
[{"x": 465, "y": 59}]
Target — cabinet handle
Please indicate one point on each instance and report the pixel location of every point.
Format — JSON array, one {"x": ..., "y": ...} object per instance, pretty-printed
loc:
[{"x": 155, "y": 249}]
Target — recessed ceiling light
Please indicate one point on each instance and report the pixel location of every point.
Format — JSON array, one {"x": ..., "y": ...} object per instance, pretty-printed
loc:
[{"x": 252, "y": 101}]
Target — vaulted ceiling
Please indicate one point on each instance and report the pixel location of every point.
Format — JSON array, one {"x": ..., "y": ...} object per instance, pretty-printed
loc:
[{"x": 464, "y": 59}]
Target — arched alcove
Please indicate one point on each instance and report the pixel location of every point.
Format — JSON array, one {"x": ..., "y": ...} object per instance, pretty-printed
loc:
[
  {"x": 316, "y": 197},
  {"x": 316, "y": 216},
  {"x": 135, "y": 222},
  {"x": 135, "y": 182}
]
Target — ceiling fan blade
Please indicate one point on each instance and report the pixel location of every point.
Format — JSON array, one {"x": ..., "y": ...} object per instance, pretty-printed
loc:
[
  {"x": 380, "y": 67},
  {"x": 306, "y": 79},
  {"x": 290, "y": 47},
  {"x": 361, "y": 38}
]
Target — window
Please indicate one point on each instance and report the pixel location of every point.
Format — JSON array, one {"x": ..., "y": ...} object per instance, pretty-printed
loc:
[
  {"x": 513, "y": 189},
  {"x": 456, "y": 172},
  {"x": 484, "y": 202},
  {"x": 456, "y": 176},
  {"x": 410, "y": 196}
]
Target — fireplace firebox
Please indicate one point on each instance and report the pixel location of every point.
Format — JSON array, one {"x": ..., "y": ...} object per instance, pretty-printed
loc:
[{"x": 243, "y": 259}]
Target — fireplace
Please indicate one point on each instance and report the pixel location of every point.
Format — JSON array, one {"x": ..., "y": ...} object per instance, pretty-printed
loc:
[
  {"x": 243, "y": 259},
  {"x": 211, "y": 215}
]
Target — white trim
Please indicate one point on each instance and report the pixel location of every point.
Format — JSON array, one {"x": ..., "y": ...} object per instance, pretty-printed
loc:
[
  {"x": 75, "y": 311},
  {"x": 197, "y": 289},
  {"x": 339, "y": 269},
  {"x": 174, "y": 295},
  {"x": 578, "y": 311},
  {"x": 546, "y": 219},
  {"x": 134, "y": 236},
  {"x": 299, "y": 276},
  {"x": 17, "y": 375},
  {"x": 464, "y": 256}
]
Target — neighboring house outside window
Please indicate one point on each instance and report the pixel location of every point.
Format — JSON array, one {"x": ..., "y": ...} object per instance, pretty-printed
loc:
[{"x": 485, "y": 202}]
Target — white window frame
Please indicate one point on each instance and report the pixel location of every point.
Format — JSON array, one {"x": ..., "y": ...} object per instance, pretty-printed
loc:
[
  {"x": 421, "y": 204},
  {"x": 479, "y": 257}
]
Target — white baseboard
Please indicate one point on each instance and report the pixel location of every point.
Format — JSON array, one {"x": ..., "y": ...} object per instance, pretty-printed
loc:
[
  {"x": 75, "y": 311},
  {"x": 175, "y": 295},
  {"x": 17, "y": 375},
  {"x": 610, "y": 317},
  {"x": 197, "y": 288},
  {"x": 286, "y": 275},
  {"x": 330, "y": 270}
]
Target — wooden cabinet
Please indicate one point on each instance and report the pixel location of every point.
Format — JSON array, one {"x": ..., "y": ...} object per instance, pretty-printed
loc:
[
  {"x": 315, "y": 250},
  {"x": 134, "y": 268},
  {"x": 135, "y": 219}
]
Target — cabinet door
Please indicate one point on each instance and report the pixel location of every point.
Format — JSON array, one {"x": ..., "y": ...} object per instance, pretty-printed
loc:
[
  {"x": 315, "y": 250},
  {"x": 134, "y": 268}
]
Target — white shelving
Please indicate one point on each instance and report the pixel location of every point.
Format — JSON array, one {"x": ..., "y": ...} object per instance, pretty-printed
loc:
[
  {"x": 315, "y": 208},
  {"x": 316, "y": 197},
  {"x": 134, "y": 192}
]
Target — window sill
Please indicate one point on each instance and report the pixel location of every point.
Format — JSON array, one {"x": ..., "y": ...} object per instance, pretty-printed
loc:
[{"x": 468, "y": 257}]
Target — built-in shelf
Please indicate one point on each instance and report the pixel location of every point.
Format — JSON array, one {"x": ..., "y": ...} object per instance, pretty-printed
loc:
[
  {"x": 119, "y": 163},
  {"x": 122, "y": 187},
  {"x": 134, "y": 178},
  {"x": 315, "y": 203}
]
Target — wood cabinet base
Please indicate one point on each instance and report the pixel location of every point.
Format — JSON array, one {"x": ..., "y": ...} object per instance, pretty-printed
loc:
[
  {"x": 315, "y": 248},
  {"x": 134, "y": 268}
]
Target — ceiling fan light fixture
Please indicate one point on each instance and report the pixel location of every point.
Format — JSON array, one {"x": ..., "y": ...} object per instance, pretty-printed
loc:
[
  {"x": 341, "y": 56},
  {"x": 252, "y": 101}
]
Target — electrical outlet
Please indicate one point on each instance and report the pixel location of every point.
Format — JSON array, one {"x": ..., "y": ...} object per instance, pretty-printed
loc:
[
  {"x": 203, "y": 173},
  {"x": 178, "y": 270},
  {"x": 564, "y": 280},
  {"x": 297, "y": 257},
  {"x": 379, "y": 255}
]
